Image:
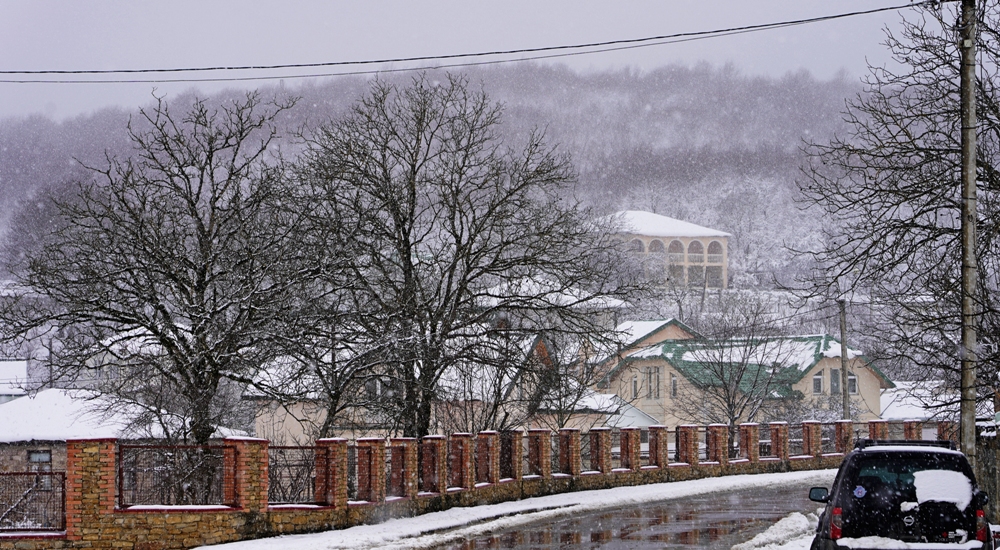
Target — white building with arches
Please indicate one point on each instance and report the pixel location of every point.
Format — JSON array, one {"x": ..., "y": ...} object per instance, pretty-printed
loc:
[{"x": 693, "y": 256}]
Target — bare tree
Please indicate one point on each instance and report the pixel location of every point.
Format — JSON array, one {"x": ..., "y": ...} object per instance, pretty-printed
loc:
[
  {"x": 166, "y": 271},
  {"x": 890, "y": 190},
  {"x": 735, "y": 366},
  {"x": 451, "y": 234}
]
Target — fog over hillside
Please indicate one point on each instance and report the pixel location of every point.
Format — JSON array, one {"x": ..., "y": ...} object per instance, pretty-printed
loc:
[{"x": 707, "y": 144}]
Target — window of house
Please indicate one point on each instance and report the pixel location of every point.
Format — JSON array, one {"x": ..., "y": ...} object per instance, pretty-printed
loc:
[
  {"x": 635, "y": 387},
  {"x": 636, "y": 246},
  {"x": 656, "y": 246},
  {"x": 696, "y": 276},
  {"x": 818, "y": 382},
  {"x": 714, "y": 252},
  {"x": 649, "y": 382},
  {"x": 656, "y": 387},
  {"x": 713, "y": 276},
  {"x": 696, "y": 252},
  {"x": 41, "y": 461},
  {"x": 673, "y": 385},
  {"x": 835, "y": 381},
  {"x": 852, "y": 383},
  {"x": 675, "y": 252}
]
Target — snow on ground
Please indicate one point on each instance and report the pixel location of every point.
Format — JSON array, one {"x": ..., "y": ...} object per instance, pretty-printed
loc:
[
  {"x": 459, "y": 524},
  {"x": 793, "y": 532}
]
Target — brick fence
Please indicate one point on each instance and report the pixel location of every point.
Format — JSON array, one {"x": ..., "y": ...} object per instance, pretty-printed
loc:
[{"x": 434, "y": 474}]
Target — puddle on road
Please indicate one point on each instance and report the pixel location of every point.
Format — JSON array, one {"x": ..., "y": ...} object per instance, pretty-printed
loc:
[{"x": 709, "y": 521}]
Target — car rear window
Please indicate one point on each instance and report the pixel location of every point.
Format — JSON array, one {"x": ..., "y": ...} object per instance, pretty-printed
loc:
[{"x": 921, "y": 476}]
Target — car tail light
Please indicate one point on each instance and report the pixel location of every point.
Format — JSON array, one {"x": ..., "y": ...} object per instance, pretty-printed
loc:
[
  {"x": 836, "y": 523},
  {"x": 982, "y": 526}
]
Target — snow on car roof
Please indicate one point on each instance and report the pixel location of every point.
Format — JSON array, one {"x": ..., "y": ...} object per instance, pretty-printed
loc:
[{"x": 910, "y": 449}]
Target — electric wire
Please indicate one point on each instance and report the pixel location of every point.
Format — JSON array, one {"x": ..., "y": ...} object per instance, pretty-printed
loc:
[{"x": 559, "y": 51}]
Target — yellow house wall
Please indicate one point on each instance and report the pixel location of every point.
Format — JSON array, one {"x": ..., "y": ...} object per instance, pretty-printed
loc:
[{"x": 869, "y": 387}]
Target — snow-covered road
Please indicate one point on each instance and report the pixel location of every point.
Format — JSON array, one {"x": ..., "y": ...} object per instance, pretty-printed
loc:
[{"x": 458, "y": 524}]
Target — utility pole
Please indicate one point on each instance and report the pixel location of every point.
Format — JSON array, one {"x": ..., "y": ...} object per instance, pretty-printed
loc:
[
  {"x": 843, "y": 360},
  {"x": 967, "y": 47}
]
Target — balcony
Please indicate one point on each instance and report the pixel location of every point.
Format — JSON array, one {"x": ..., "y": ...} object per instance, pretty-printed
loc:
[
  {"x": 696, "y": 258},
  {"x": 715, "y": 258}
]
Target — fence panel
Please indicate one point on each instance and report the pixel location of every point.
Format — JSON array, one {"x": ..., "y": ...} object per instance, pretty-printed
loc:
[
  {"x": 585, "y": 451},
  {"x": 291, "y": 475},
  {"x": 616, "y": 448},
  {"x": 175, "y": 475},
  {"x": 352, "y": 472},
  {"x": 32, "y": 501},
  {"x": 795, "y": 440},
  {"x": 765, "y": 446},
  {"x": 828, "y": 437},
  {"x": 556, "y": 450}
]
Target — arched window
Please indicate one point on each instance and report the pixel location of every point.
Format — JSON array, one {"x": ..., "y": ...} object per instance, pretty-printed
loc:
[
  {"x": 636, "y": 246},
  {"x": 656, "y": 246},
  {"x": 696, "y": 252},
  {"x": 715, "y": 252},
  {"x": 675, "y": 252}
]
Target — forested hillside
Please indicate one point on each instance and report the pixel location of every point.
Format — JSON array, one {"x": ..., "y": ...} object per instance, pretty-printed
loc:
[{"x": 706, "y": 144}]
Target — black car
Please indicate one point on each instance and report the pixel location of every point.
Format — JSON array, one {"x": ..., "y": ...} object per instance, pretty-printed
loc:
[{"x": 908, "y": 491}]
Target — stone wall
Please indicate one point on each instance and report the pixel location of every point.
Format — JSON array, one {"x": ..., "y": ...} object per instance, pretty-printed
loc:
[{"x": 451, "y": 477}]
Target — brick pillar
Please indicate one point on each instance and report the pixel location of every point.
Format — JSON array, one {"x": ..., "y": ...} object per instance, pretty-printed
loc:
[
  {"x": 878, "y": 429},
  {"x": 249, "y": 467},
  {"x": 540, "y": 452},
  {"x": 600, "y": 450},
  {"x": 487, "y": 457},
  {"x": 90, "y": 484},
  {"x": 844, "y": 435},
  {"x": 750, "y": 441},
  {"x": 659, "y": 446},
  {"x": 569, "y": 451},
  {"x": 913, "y": 430},
  {"x": 812, "y": 438},
  {"x": 511, "y": 453},
  {"x": 687, "y": 444},
  {"x": 331, "y": 472},
  {"x": 717, "y": 443},
  {"x": 371, "y": 469},
  {"x": 947, "y": 431},
  {"x": 403, "y": 475},
  {"x": 460, "y": 461},
  {"x": 779, "y": 439},
  {"x": 630, "y": 447},
  {"x": 433, "y": 463}
]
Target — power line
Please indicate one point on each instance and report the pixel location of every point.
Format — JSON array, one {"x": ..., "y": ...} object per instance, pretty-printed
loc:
[{"x": 561, "y": 51}]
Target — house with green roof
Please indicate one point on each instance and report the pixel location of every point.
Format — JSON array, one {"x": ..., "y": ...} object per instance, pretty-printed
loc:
[{"x": 685, "y": 380}]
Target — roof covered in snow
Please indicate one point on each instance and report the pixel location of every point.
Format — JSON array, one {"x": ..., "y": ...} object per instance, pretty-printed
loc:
[
  {"x": 638, "y": 222},
  {"x": 792, "y": 356},
  {"x": 924, "y": 400},
  {"x": 58, "y": 415}
]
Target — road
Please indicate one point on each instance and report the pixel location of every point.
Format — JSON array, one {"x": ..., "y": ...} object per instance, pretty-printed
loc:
[{"x": 717, "y": 520}]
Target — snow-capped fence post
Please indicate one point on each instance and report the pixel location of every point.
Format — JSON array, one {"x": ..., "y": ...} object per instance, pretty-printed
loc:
[
  {"x": 878, "y": 429},
  {"x": 717, "y": 444},
  {"x": 540, "y": 452},
  {"x": 511, "y": 466},
  {"x": 90, "y": 484},
  {"x": 433, "y": 464},
  {"x": 569, "y": 451},
  {"x": 600, "y": 450},
  {"x": 487, "y": 457},
  {"x": 460, "y": 461},
  {"x": 812, "y": 438},
  {"x": 779, "y": 439},
  {"x": 687, "y": 444},
  {"x": 659, "y": 446},
  {"x": 371, "y": 469},
  {"x": 331, "y": 472},
  {"x": 844, "y": 435},
  {"x": 245, "y": 468},
  {"x": 913, "y": 430},
  {"x": 630, "y": 449},
  {"x": 947, "y": 431},
  {"x": 750, "y": 441},
  {"x": 403, "y": 476}
]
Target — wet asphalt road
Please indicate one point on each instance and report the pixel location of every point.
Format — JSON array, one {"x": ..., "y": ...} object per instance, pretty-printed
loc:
[{"x": 717, "y": 520}]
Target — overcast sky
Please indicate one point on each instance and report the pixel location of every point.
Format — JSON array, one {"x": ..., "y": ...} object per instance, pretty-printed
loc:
[{"x": 58, "y": 35}]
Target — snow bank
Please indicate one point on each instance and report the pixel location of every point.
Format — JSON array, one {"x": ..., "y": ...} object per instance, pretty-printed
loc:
[
  {"x": 457, "y": 524},
  {"x": 793, "y": 532}
]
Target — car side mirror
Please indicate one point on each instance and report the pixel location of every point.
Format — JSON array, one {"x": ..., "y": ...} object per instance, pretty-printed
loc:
[{"x": 819, "y": 494}]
